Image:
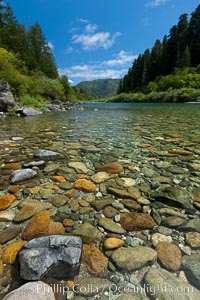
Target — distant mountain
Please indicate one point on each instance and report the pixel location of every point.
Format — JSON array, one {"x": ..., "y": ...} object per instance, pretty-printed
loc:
[{"x": 101, "y": 87}]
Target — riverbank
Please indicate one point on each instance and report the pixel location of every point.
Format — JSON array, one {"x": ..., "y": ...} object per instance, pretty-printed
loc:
[{"x": 126, "y": 180}]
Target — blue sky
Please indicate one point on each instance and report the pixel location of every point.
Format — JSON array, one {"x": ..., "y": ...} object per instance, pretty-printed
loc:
[{"x": 93, "y": 39}]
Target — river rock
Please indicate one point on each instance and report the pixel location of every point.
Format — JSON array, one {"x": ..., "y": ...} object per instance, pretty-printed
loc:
[
  {"x": 54, "y": 256},
  {"x": 194, "y": 167},
  {"x": 93, "y": 259},
  {"x": 28, "y": 112},
  {"x": 42, "y": 153},
  {"x": 175, "y": 196},
  {"x": 101, "y": 203},
  {"x": 159, "y": 237},
  {"x": 7, "y": 100},
  {"x": 22, "y": 174},
  {"x": 196, "y": 195},
  {"x": 59, "y": 200},
  {"x": 120, "y": 193},
  {"x": 34, "y": 164},
  {"x": 9, "y": 234},
  {"x": 192, "y": 238},
  {"x": 113, "y": 243},
  {"x": 37, "y": 290},
  {"x": 110, "y": 168},
  {"x": 192, "y": 269},
  {"x": 84, "y": 185},
  {"x": 131, "y": 204},
  {"x": 191, "y": 225},
  {"x": 78, "y": 166},
  {"x": 6, "y": 201},
  {"x": 29, "y": 208},
  {"x": 173, "y": 221},
  {"x": 168, "y": 285},
  {"x": 88, "y": 233},
  {"x": 133, "y": 258},
  {"x": 136, "y": 221},
  {"x": 100, "y": 177},
  {"x": 11, "y": 251},
  {"x": 111, "y": 226},
  {"x": 169, "y": 255}
]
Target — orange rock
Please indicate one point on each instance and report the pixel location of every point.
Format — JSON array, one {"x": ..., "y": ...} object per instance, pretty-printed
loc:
[
  {"x": 151, "y": 158},
  {"x": 58, "y": 178},
  {"x": 68, "y": 222},
  {"x": 70, "y": 193},
  {"x": 84, "y": 185},
  {"x": 56, "y": 228},
  {"x": 110, "y": 168},
  {"x": 6, "y": 201},
  {"x": 70, "y": 284},
  {"x": 12, "y": 145},
  {"x": 1, "y": 267},
  {"x": 14, "y": 189},
  {"x": 169, "y": 255},
  {"x": 133, "y": 168},
  {"x": 1, "y": 250},
  {"x": 180, "y": 152},
  {"x": 145, "y": 145},
  {"x": 10, "y": 253},
  {"x": 51, "y": 186},
  {"x": 136, "y": 221},
  {"x": 12, "y": 166},
  {"x": 113, "y": 243},
  {"x": 34, "y": 190},
  {"x": 93, "y": 260},
  {"x": 37, "y": 226}
]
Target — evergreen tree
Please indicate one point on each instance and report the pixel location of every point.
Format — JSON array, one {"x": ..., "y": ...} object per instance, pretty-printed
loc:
[
  {"x": 155, "y": 60},
  {"x": 182, "y": 38},
  {"x": 185, "y": 59},
  {"x": 146, "y": 58},
  {"x": 194, "y": 37}
]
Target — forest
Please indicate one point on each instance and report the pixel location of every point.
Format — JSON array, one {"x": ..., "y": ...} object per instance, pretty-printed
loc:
[
  {"x": 28, "y": 65},
  {"x": 170, "y": 71}
]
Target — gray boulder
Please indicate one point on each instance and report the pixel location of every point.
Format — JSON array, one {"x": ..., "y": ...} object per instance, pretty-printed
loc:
[
  {"x": 29, "y": 111},
  {"x": 42, "y": 153},
  {"x": 22, "y": 174},
  {"x": 56, "y": 256},
  {"x": 6, "y": 97},
  {"x": 33, "y": 291}
]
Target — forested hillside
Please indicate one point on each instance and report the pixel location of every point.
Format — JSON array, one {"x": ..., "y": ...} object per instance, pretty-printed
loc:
[
  {"x": 100, "y": 87},
  {"x": 27, "y": 62},
  {"x": 171, "y": 63}
]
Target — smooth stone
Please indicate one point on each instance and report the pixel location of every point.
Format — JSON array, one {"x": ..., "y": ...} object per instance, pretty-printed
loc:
[
  {"x": 192, "y": 239},
  {"x": 173, "y": 221},
  {"x": 133, "y": 258},
  {"x": 6, "y": 201},
  {"x": 158, "y": 238},
  {"x": 120, "y": 193},
  {"x": 45, "y": 193},
  {"x": 29, "y": 111},
  {"x": 111, "y": 226},
  {"x": 37, "y": 290},
  {"x": 92, "y": 286},
  {"x": 93, "y": 259},
  {"x": 174, "y": 195},
  {"x": 11, "y": 251},
  {"x": 191, "y": 264},
  {"x": 110, "y": 212},
  {"x": 194, "y": 167},
  {"x": 158, "y": 277},
  {"x": 100, "y": 177},
  {"x": 113, "y": 243},
  {"x": 88, "y": 233},
  {"x": 56, "y": 256},
  {"x": 7, "y": 216},
  {"x": 22, "y": 174},
  {"x": 131, "y": 204},
  {"x": 148, "y": 172},
  {"x": 9, "y": 234},
  {"x": 101, "y": 203},
  {"x": 196, "y": 195},
  {"x": 42, "y": 153},
  {"x": 51, "y": 167},
  {"x": 135, "y": 192},
  {"x": 58, "y": 200},
  {"x": 127, "y": 182},
  {"x": 78, "y": 166},
  {"x": 29, "y": 208},
  {"x": 110, "y": 168},
  {"x": 136, "y": 221},
  {"x": 31, "y": 164},
  {"x": 169, "y": 255},
  {"x": 84, "y": 185}
]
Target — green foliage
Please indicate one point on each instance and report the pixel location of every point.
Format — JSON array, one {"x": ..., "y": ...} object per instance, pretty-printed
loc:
[
  {"x": 181, "y": 48},
  {"x": 27, "y": 100},
  {"x": 100, "y": 88}
]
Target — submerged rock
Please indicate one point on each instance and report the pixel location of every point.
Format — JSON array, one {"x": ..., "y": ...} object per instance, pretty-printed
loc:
[
  {"x": 42, "y": 153},
  {"x": 29, "y": 111},
  {"x": 55, "y": 256},
  {"x": 22, "y": 174}
]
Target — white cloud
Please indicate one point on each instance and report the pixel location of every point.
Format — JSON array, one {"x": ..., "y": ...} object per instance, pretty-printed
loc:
[
  {"x": 94, "y": 41},
  {"x": 70, "y": 81},
  {"x": 91, "y": 27},
  {"x": 155, "y": 3},
  {"x": 113, "y": 68},
  {"x": 69, "y": 50},
  {"x": 51, "y": 45},
  {"x": 122, "y": 58}
]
